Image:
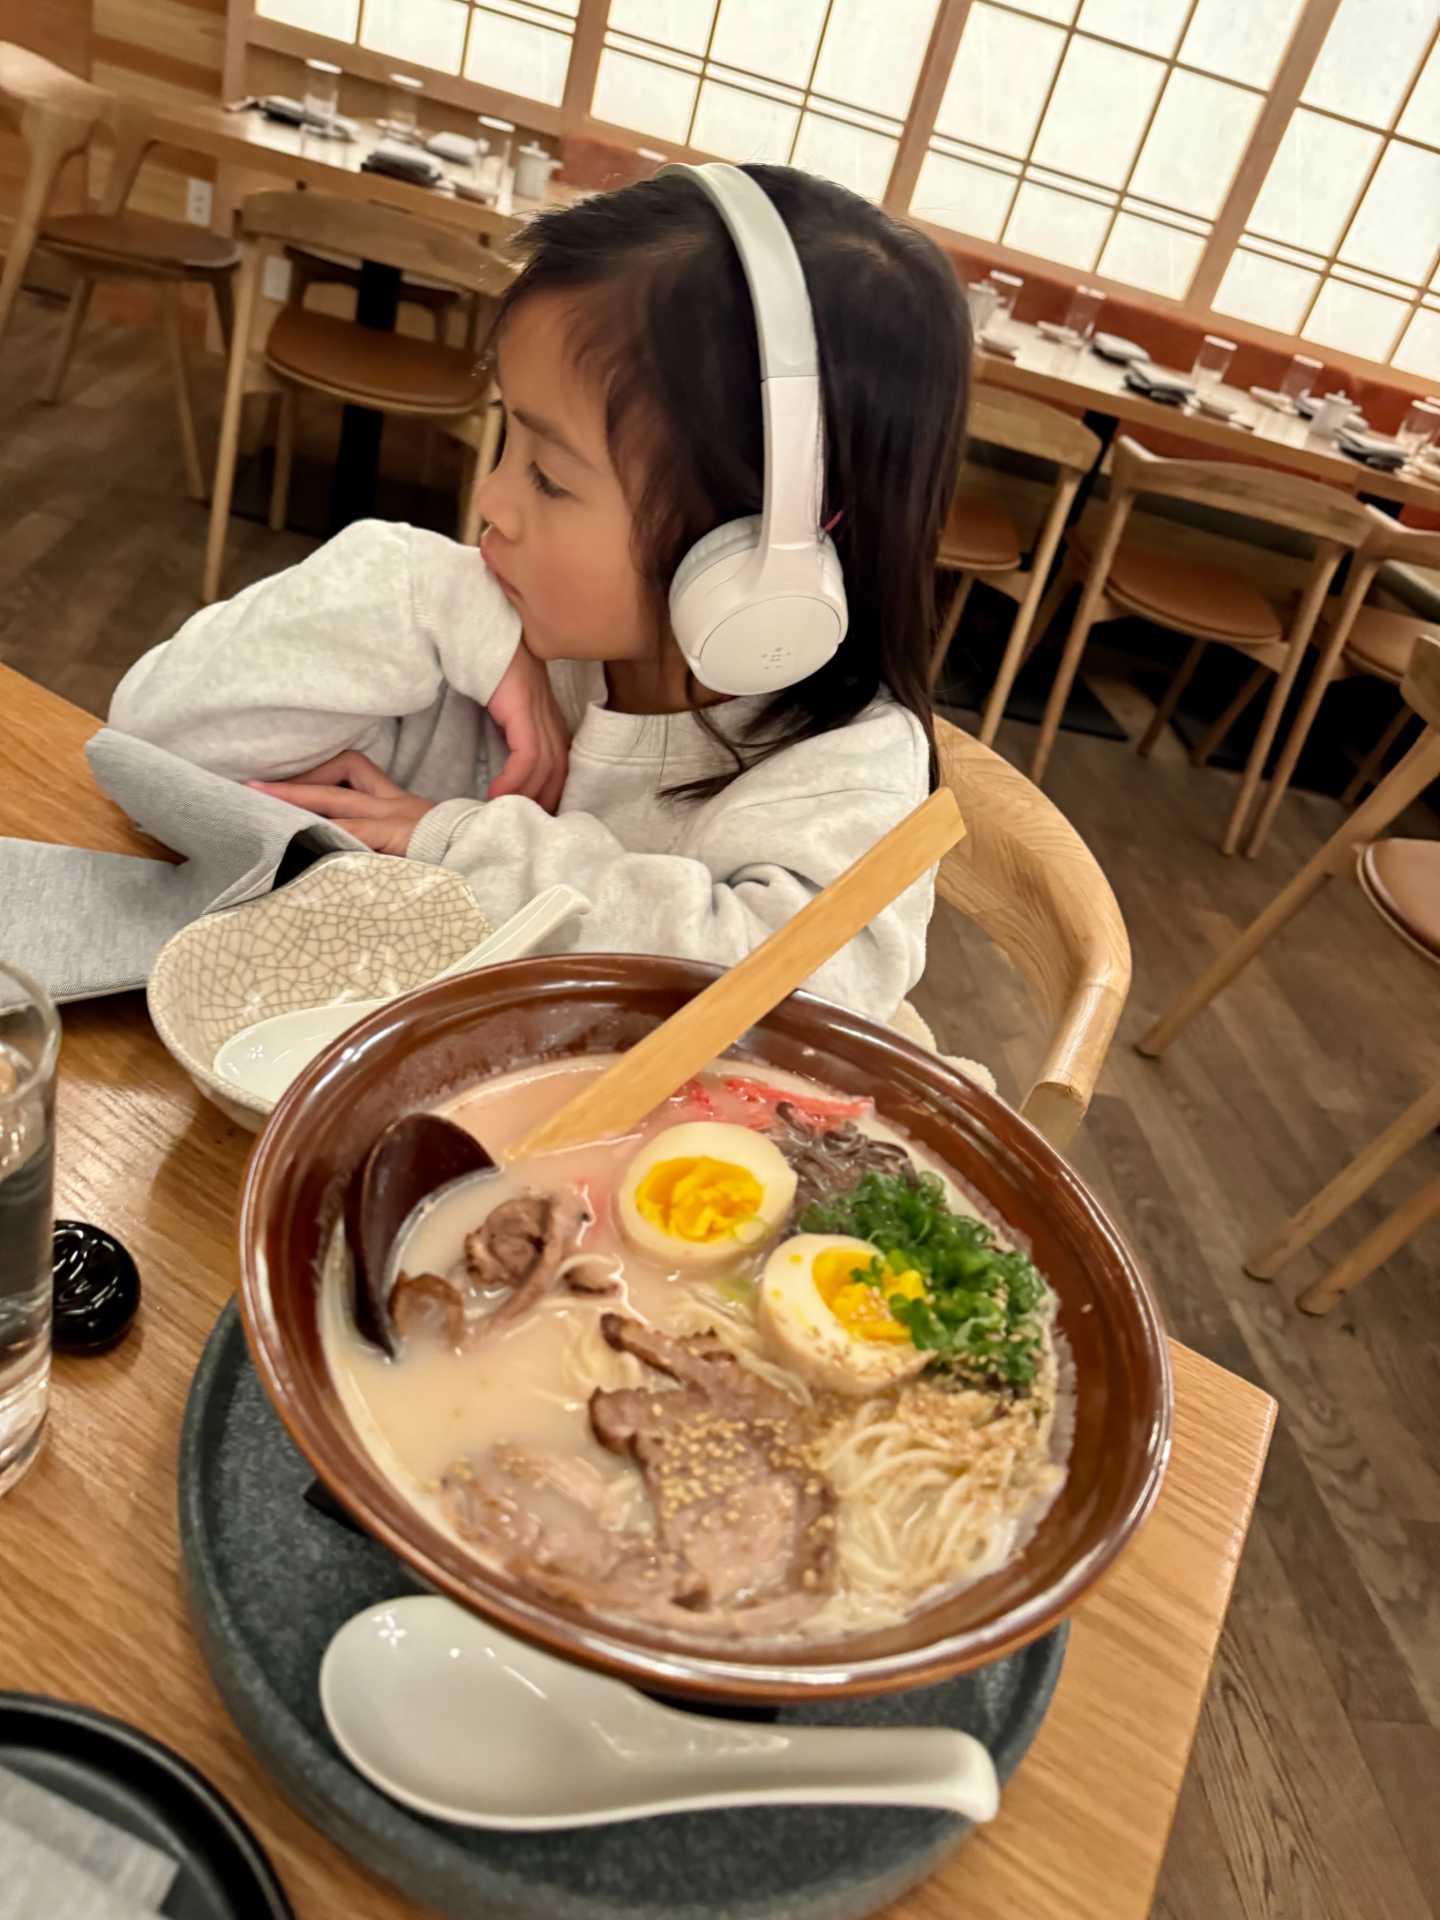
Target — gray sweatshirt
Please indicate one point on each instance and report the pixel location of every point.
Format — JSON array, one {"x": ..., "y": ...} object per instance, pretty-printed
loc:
[{"x": 392, "y": 640}]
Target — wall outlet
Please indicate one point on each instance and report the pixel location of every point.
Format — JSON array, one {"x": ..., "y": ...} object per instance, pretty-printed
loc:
[
  {"x": 275, "y": 281},
  {"x": 199, "y": 202}
]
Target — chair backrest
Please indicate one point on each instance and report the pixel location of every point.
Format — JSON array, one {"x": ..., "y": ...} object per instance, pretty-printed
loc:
[
  {"x": 1421, "y": 685},
  {"x": 55, "y": 111},
  {"x": 385, "y": 234},
  {"x": 1261, "y": 492},
  {"x": 58, "y": 115},
  {"x": 1025, "y": 876},
  {"x": 1022, "y": 425},
  {"x": 1416, "y": 546}
]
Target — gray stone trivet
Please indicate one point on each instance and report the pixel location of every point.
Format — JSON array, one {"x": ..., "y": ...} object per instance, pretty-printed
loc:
[
  {"x": 271, "y": 1580},
  {"x": 130, "y": 1867}
]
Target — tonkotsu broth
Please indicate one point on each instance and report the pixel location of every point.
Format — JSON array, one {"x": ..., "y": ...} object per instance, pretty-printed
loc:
[{"x": 531, "y": 1385}]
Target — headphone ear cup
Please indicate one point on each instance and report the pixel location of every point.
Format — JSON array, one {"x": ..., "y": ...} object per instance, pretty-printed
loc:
[
  {"x": 738, "y": 537},
  {"x": 738, "y": 640}
]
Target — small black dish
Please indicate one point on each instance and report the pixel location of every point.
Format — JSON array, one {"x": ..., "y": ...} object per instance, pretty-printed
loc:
[
  {"x": 125, "y": 1777},
  {"x": 97, "y": 1288}
]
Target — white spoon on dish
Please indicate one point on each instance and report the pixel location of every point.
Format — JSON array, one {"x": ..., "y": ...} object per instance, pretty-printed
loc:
[
  {"x": 457, "y": 1719},
  {"x": 265, "y": 1058}
]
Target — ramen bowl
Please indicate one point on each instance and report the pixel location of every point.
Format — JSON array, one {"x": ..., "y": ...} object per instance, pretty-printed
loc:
[{"x": 450, "y": 1037}]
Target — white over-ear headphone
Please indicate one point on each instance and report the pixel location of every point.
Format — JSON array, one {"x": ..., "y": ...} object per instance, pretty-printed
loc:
[{"x": 759, "y": 603}]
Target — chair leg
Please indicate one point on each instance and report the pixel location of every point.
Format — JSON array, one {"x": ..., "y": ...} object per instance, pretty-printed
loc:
[
  {"x": 284, "y": 458},
  {"x": 1290, "y": 753},
  {"x": 1302, "y": 628},
  {"x": 65, "y": 346},
  {"x": 1375, "y": 760},
  {"x": 22, "y": 237},
  {"x": 1210, "y": 740},
  {"x": 1179, "y": 680},
  {"x": 1374, "y": 1250},
  {"x": 1400, "y": 786},
  {"x": 1092, "y": 600},
  {"x": 1036, "y": 610},
  {"x": 229, "y": 433},
  {"x": 1050, "y": 606},
  {"x": 222, "y": 288},
  {"x": 1326, "y": 666},
  {"x": 1260, "y": 753},
  {"x": 949, "y": 624},
  {"x": 189, "y": 444},
  {"x": 1368, "y": 1166}
]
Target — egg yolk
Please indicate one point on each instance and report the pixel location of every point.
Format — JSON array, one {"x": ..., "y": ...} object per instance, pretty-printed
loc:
[
  {"x": 861, "y": 1309},
  {"x": 700, "y": 1200}
]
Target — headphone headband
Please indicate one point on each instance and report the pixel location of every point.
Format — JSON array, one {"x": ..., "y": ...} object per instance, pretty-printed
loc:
[
  {"x": 759, "y": 604},
  {"x": 790, "y": 398}
]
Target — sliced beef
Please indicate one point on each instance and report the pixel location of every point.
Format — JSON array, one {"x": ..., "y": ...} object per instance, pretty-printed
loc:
[
  {"x": 572, "y": 1556},
  {"x": 426, "y": 1303},
  {"x": 737, "y": 1503},
  {"x": 833, "y": 1159}
]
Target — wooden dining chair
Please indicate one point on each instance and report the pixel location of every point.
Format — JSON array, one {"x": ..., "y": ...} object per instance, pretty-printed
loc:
[
  {"x": 1356, "y": 639},
  {"x": 306, "y": 351},
  {"x": 1212, "y": 604},
  {"x": 58, "y": 116},
  {"x": 311, "y": 269},
  {"x": 1401, "y": 880},
  {"x": 1028, "y": 880},
  {"x": 981, "y": 541}
]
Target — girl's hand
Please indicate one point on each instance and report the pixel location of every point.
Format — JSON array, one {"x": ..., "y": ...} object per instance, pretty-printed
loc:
[
  {"x": 356, "y": 795},
  {"x": 524, "y": 709}
]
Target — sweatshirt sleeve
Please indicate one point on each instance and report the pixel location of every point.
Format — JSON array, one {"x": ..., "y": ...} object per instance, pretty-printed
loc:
[
  {"x": 365, "y": 635},
  {"x": 747, "y": 870}
]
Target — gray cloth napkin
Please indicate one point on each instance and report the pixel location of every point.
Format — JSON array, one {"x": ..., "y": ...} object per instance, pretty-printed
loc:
[
  {"x": 138, "y": 1875},
  {"x": 40, "y": 1884},
  {"x": 86, "y": 924}
]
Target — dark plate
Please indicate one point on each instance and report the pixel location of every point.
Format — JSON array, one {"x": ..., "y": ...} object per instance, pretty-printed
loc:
[
  {"x": 127, "y": 1778},
  {"x": 270, "y": 1580}
]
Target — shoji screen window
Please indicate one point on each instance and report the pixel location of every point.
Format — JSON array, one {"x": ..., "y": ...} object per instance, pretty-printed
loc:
[
  {"x": 1101, "y": 134},
  {"x": 820, "y": 84},
  {"x": 1342, "y": 244},
  {"x": 513, "y": 45}
]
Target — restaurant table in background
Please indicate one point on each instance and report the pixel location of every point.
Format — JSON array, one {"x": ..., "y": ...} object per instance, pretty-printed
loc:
[
  {"x": 248, "y": 140},
  {"x": 1077, "y": 377},
  {"x": 94, "y": 1607}
]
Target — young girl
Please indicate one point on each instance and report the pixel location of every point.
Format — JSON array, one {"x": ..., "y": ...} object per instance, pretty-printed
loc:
[{"x": 422, "y": 694}]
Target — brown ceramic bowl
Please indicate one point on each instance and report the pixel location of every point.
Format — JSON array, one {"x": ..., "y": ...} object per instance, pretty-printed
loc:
[{"x": 442, "y": 1038}]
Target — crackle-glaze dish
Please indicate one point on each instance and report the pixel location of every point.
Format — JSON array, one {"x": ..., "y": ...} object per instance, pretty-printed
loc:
[
  {"x": 352, "y": 927},
  {"x": 449, "y": 1038}
]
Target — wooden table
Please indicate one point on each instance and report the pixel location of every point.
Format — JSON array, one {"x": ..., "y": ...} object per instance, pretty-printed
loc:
[
  {"x": 93, "y": 1604},
  {"x": 247, "y": 140},
  {"x": 1075, "y": 377}
]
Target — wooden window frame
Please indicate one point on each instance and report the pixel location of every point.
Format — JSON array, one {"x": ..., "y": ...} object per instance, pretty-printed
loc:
[{"x": 244, "y": 28}]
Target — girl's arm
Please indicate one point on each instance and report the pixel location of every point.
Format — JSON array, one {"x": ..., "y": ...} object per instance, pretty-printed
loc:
[
  {"x": 748, "y": 870},
  {"x": 361, "y": 646}
]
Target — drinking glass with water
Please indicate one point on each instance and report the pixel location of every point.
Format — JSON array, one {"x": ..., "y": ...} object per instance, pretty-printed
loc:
[{"x": 29, "y": 1044}]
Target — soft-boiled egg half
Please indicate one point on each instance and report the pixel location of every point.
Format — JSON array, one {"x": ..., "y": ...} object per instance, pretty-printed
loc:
[
  {"x": 704, "y": 1193},
  {"x": 831, "y": 1325}
]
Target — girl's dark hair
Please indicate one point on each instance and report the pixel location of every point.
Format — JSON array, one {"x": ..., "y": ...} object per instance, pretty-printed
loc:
[{"x": 667, "y": 325}]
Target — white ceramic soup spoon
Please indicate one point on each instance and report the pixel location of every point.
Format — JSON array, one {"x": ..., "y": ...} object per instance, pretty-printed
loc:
[
  {"x": 455, "y": 1718},
  {"x": 265, "y": 1058}
]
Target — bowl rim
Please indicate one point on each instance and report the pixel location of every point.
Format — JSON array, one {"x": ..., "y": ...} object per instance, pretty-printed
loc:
[
  {"x": 606, "y": 1645},
  {"x": 202, "y": 1072}
]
